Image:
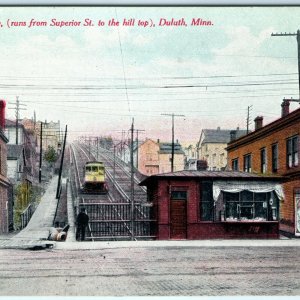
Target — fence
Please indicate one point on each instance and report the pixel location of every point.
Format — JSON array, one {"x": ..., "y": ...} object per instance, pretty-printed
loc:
[
  {"x": 115, "y": 221},
  {"x": 26, "y": 215}
]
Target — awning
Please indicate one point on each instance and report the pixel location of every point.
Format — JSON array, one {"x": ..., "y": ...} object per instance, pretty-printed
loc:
[{"x": 253, "y": 186}]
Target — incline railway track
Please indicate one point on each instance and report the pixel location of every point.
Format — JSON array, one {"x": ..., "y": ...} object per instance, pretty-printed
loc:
[
  {"x": 112, "y": 216},
  {"x": 120, "y": 175}
]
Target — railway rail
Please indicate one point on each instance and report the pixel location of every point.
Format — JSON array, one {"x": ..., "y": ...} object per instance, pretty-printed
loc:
[{"x": 112, "y": 216}]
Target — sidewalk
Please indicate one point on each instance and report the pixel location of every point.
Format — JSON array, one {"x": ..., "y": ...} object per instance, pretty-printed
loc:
[
  {"x": 35, "y": 234},
  {"x": 283, "y": 242}
]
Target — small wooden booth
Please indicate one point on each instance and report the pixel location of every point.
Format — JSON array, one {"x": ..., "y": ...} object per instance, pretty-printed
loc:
[{"x": 214, "y": 204}]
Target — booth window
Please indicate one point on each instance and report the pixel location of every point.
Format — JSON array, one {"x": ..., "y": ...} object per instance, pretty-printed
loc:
[
  {"x": 206, "y": 201},
  {"x": 247, "y": 206},
  {"x": 179, "y": 195}
]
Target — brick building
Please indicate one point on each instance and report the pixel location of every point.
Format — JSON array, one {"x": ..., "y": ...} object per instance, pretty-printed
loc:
[
  {"x": 5, "y": 201},
  {"x": 274, "y": 149},
  {"x": 214, "y": 204}
]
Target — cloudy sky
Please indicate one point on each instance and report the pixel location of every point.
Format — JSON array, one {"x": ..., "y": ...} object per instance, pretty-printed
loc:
[{"x": 97, "y": 78}]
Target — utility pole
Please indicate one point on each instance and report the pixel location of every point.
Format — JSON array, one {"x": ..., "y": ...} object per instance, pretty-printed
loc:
[
  {"x": 34, "y": 121},
  {"x": 132, "y": 182},
  {"x": 298, "y": 42},
  {"x": 248, "y": 117},
  {"x": 41, "y": 155},
  {"x": 172, "y": 157},
  {"x": 17, "y": 109},
  {"x": 61, "y": 164},
  {"x": 97, "y": 141},
  {"x": 137, "y": 146},
  {"x": 122, "y": 145}
]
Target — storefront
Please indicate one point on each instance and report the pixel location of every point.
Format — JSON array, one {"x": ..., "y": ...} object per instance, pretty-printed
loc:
[{"x": 225, "y": 204}]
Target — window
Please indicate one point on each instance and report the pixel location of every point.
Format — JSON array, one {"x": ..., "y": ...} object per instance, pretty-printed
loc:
[
  {"x": 179, "y": 195},
  {"x": 247, "y": 163},
  {"x": 247, "y": 206},
  {"x": 297, "y": 204},
  {"x": 263, "y": 160},
  {"x": 222, "y": 159},
  {"x": 214, "y": 159},
  {"x": 206, "y": 201},
  {"x": 274, "y": 158},
  {"x": 235, "y": 164},
  {"x": 292, "y": 152}
]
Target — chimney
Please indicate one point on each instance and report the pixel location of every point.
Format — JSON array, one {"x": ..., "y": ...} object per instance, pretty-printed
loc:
[
  {"x": 285, "y": 107},
  {"x": 258, "y": 122},
  {"x": 2, "y": 114},
  {"x": 232, "y": 135},
  {"x": 201, "y": 165}
]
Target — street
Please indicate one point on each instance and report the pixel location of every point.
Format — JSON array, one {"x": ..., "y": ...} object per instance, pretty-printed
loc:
[{"x": 151, "y": 271}]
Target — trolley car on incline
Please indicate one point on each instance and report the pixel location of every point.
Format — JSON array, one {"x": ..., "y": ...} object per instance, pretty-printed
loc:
[{"x": 94, "y": 178}]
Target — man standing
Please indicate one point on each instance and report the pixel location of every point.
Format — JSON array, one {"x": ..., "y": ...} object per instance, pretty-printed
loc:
[{"x": 82, "y": 222}]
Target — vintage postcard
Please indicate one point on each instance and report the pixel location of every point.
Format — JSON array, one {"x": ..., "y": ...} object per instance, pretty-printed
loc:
[{"x": 149, "y": 151}]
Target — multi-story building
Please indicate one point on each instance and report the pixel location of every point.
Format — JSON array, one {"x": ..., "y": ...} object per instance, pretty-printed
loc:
[
  {"x": 5, "y": 201},
  {"x": 274, "y": 149},
  {"x": 21, "y": 154},
  {"x": 14, "y": 132},
  {"x": 212, "y": 146},
  {"x": 155, "y": 157},
  {"x": 52, "y": 136},
  {"x": 190, "y": 151}
]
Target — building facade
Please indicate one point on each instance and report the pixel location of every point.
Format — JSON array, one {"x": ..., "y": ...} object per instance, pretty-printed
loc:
[
  {"x": 152, "y": 157},
  {"x": 274, "y": 149},
  {"x": 52, "y": 136},
  {"x": 15, "y": 134},
  {"x": 212, "y": 146},
  {"x": 21, "y": 152},
  {"x": 5, "y": 201},
  {"x": 214, "y": 204}
]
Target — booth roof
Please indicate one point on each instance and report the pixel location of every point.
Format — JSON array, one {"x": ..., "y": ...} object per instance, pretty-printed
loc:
[{"x": 213, "y": 175}]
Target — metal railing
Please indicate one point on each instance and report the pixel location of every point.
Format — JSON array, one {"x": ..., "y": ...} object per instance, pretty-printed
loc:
[{"x": 26, "y": 215}]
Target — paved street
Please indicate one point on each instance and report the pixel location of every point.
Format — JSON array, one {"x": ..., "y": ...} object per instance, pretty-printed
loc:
[{"x": 150, "y": 271}]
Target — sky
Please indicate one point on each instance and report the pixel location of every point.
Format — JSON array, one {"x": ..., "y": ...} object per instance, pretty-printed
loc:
[{"x": 96, "y": 79}]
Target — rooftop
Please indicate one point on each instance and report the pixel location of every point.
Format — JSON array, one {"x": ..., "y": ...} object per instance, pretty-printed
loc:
[
  {"x": 166, "y": 148},
  {"x": 225, "y": 175},
  {"x": 220, "y": 135},
  {"x": 282, "y": 122}
]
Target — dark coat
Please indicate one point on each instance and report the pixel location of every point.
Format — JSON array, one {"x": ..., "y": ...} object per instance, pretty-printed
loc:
[{"x": 82, "y": 219}]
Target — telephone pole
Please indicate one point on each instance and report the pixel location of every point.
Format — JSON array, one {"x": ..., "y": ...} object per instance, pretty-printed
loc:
[
  {"x": 17, "y": 109},
  {"x": 137, "y": 146},
  {"x": 61, "y": 165},
  {"x": 248, "y": 117},
  {"x": 41, "y": 154},
  {"x": 297, "y": 34},
  {"x": 132, "y": 182},
  {"x": 172, "y": 157}
]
